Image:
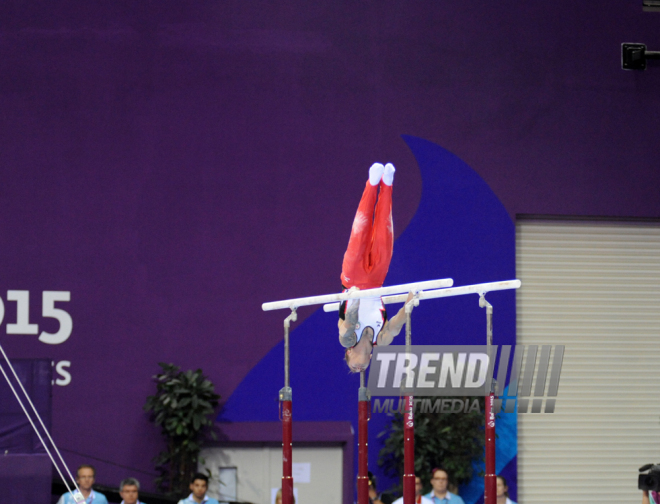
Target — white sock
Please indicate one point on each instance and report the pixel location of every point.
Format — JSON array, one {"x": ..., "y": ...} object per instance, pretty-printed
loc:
[
  {"x": 388, "y": 175},
  {"x": 375, "y": 173}
]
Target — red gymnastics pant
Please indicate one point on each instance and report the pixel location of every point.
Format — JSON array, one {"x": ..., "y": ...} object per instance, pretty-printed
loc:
[{"x": 369, "y": 251}]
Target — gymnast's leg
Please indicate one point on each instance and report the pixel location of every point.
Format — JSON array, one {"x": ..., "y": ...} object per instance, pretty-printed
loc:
[
  {"x": 383, "y": 231},
  {"x": 356, "y": 258}
]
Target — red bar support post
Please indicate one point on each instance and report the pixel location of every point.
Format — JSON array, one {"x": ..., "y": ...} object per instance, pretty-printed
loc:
[
  {"x": 490, "y": 478},
  {"x": 363, "y": 443},
  {"x": 286, "y": 397},
  {"x": 409, "y": 420},
  {"x": 287, "y": 453}
]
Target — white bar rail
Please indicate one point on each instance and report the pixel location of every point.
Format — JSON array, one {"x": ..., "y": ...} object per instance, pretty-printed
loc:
[
  {"x": 438, "y": 293},
  {"x": 381, "y": 291}
]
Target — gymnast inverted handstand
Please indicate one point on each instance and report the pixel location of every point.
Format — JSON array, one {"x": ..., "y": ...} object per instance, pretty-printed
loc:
[{"x": 363, "y": 322}]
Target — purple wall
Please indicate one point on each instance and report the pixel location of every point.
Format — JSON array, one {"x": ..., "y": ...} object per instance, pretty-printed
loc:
[
  {"x": 25, "y": 477},
  {"x": 174, "y": 164}
]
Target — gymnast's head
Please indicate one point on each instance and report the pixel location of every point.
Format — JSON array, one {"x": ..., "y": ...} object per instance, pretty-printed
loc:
[{"x": 359, "y": 355}]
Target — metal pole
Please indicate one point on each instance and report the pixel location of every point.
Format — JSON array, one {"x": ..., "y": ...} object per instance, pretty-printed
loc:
[
  {"x": 480, "y": 289},
  {"x": 287, "y": 424},
  {"x": 490, "y": 478},
  {"x": 363, "y": 443},
  {"x": 354, "y": 293},
  {"x": 409, "y": 422}
]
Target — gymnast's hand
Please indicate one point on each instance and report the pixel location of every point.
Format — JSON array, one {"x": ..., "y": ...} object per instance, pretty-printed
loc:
[{"x": 394, "y": 325}]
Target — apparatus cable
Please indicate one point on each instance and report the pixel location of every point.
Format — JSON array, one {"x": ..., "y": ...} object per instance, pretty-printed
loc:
[{"x": 40, "y": 421}]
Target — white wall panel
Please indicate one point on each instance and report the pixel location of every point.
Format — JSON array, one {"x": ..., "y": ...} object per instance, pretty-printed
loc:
[
  {"x": 260, "y": 469},
  {"x": 595, "y": 288}
]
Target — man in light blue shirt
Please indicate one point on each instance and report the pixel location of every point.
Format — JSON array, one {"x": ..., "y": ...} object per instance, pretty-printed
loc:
[
  {"x": 440, "y": 494},
  {"x": 198, "y": 487},
  {"x": 129, "y": 490},
  {"x": 85, "y": 477}
]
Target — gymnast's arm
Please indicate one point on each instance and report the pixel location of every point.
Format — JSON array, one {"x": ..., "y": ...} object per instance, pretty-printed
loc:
[
  {"x": 347, "y": 336},
  {"x": 393, "y": 326}
]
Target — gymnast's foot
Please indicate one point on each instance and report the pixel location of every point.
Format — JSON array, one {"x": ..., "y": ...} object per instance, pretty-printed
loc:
[
  {"x": 388, "y": 175},
  {"x": 375, "y": 173}
]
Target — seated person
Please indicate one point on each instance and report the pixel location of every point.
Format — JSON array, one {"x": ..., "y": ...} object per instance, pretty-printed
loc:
[
  {"x": 85, "y": 477},
  {"x": 503, "y": 491},
  {"x": 374, "y": 496},
  {"x": 650, "y": 497},
  {"x": 198, "y": 487},
  {"x": 278, "y": 497},
  {"x": 440, "y": 494},
  {"x": 128, "y": 491},
  {"x": 419, "y": 498}
]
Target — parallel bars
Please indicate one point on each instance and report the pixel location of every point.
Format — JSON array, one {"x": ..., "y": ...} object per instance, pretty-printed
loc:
[
  {"x": 358, "y": 294},
  {"x": 439, "y": 293},
  {"x": 331, "y": 303}
]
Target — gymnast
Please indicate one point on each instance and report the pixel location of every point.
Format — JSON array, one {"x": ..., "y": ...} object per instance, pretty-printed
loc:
[{"x": 363, "y": 322}]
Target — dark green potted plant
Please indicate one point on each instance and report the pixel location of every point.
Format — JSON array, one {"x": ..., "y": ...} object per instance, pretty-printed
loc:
[
  {"x": 454, "y": 441},
  {"x": 183, "y": 407}
]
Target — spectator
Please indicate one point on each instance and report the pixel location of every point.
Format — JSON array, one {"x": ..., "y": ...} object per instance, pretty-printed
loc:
[
  {"x": 85, "y": 477},
  {"x": 374, "y": 496},
  {"x": 440, "y": 494},
  {"x": 503, "y": 491},
  {"x": 128, "y": 490},
  {"x": 652, "y": 498},
  {"x": 198, "y": 487},
  {"x": 419, "y": 498},
  {"x": 278, "y": 497}
]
